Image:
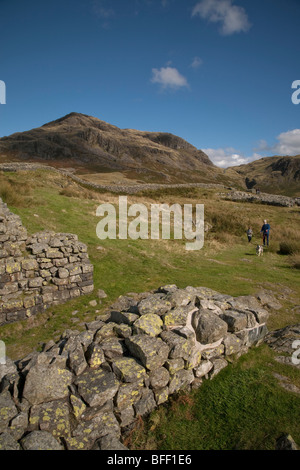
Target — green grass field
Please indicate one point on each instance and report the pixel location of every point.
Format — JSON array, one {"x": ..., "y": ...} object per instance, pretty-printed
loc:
[{"x": 243, "y": 407}]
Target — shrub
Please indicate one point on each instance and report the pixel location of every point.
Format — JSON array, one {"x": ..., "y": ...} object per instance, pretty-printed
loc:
[
  {"x": 15, "y": 193},
  {"x": 295, "y": 261},
  {"x": 9, "y": 195},
  {"x": 289, "y": 247}
]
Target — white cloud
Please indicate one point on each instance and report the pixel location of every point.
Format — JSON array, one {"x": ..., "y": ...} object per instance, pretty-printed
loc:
[
  {"x": 197, "y": 62},
  {"x": 168, "y": 77},
  {"x": 289, "y": 143},
  {"x": 225, "y": 157},
  {"x": 233, "y": 18}
]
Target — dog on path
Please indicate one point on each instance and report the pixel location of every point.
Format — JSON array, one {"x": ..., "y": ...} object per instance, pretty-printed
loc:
[{"x": 259, "y": 250}]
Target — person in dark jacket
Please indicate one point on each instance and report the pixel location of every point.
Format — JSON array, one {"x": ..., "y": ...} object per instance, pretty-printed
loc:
[{"x": 265, "y": 230}]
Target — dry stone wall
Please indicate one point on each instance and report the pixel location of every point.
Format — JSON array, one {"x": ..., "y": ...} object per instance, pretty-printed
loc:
[
  {"x": 114, "y": 188},
  {"x": 262, "y": 198},
  {"x": 85, "y": 391},
  {"x": 39, "y": 270}
]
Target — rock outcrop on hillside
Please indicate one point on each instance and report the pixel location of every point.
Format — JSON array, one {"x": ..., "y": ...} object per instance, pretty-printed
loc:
[
  {"x": 279, "y": 174},
  {"x": 286, "y": 341},
  {"x": 87, "y": 390}
]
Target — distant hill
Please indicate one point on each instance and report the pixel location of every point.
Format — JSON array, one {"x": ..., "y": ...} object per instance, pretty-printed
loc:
[
  {"x": 101, "y": 152},
  {"x": 278, "y": 175},
  {"x": 90, "y": 145}
]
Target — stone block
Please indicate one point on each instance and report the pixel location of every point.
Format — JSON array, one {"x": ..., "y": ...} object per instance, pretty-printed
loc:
[
  {"x": 96, "y": 387},
  {"x": 35, "y": 282},
  {"x": 152, "y": 352},
  {"x": 208, "y": 326},
  {"x": 13, "y": 267},
  {"x": 29, "y": 264}
]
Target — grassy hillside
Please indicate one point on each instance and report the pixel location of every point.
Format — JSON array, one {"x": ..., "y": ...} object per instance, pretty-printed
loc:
[{"x": 222, "y": 413}]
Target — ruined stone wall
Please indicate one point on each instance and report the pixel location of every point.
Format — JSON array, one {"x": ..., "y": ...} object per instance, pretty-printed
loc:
[
  {"x": 262, "y": 198},
  {"x": 39, "y": 270},
  {"x": 114, "y": 188},
  {"x": 86, "y": 391}
]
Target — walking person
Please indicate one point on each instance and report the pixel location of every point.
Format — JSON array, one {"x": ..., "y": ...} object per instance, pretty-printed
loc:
[
  {"x": 265, "y": 230},
  {"x": 249, "y": 234}
]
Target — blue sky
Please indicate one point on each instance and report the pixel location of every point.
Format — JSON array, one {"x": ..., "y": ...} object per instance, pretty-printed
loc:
[{"x": 218, "y": 73}]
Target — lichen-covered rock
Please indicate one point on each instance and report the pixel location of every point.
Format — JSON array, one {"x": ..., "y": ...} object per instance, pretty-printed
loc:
[
  {"x": 53, "y": 417},
  {"x": 78, "y": 406},
  {"x": 180, "y": 380},
  {"x": 124, "y": 303},
  {"x": 174, "y": 365},
  {"x": 167, "y": 289},
  {"x": 232, "y": 344},
  {"x": 178, "y": 316},
  {"x": 181, "y": 298},
  {"x": 106, "y": 331},
  {"x": 212, "y": 352},
  {"x": 282, "y": 340},
  {"x": 8, "y": 369},
  {"x": 193, "y": 359},
  {"x": 261, "y": 315},
  {"x": 159, "y": 378},
  {"x": 204, "y": 368},
  {"x": 253, "y": 336},
  {"x": 128, "y": 369},
  {"x": 161, "y": 395},
  {"x": 95, "y": 355},
  {"x": 110, "y": 442},
  {"x": 112, "y": 347},
  {"x": 96, "y": 387},
  {"x": 127, "y": 318},
  {"x": 45, "y": 382},
  {"x": 8, "y": 410},
  {"x": 128, "y": 394},
  {"x": 18, "y": 425},
  {"x": 123, "y": 331},
  {"x": 146, "y": 403},
  {"x": 245, "y": 302},
  {"x": 152, "y": 352},
  {"x": 125, "y": 417},
  {"x": 179, "y": 346},
  {"x": 268, "y": 300},
  {"x": 87, "y": 432},
  {"x": 208, "y": 326},
  {"x": 76, "y": 359},
  {"x": 155, "y": 303},
  {"x": 40, "y": 440},
  {"x": 236, "y": 321},
  {"x": 7, "y": 442},
  {"x": 149, "y": 324}
]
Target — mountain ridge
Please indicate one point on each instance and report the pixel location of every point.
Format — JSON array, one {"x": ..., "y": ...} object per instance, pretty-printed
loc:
[
  {"x": 93, "y": 149},
  {"x": 91, "y": 145}
]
